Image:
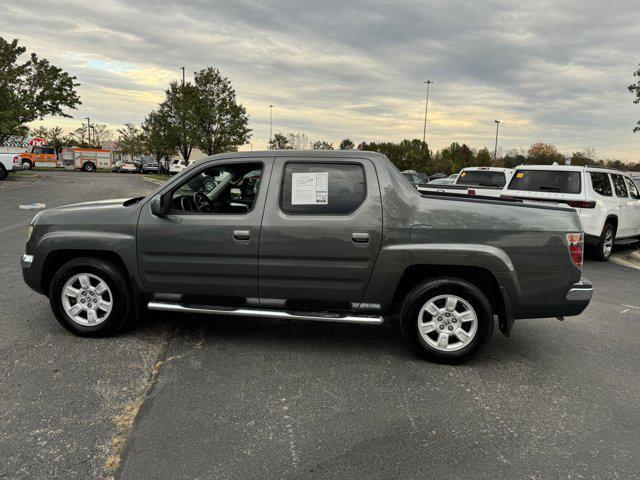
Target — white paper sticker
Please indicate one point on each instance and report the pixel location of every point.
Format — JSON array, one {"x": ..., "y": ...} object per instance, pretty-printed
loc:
[{"x": 310, "y": 188}]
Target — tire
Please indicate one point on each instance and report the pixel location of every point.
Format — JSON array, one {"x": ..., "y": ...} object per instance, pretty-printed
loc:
[
  {"x": 88, "y": 167},
  {"x": 3, "y": 172},
  {"x": 605, "y": 244},
  {"x": 456, "y": 324},
  {"x": 101, "y": 323},
  {"x": 27, "y": 165}
]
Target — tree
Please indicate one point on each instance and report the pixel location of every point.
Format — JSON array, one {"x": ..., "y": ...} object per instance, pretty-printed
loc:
[
  {"x": 483, "y": 158},
  {"x": 78, "y": 138},
  {"x": 513, "y": 158},
  {"x": 544, "y": 154},
  {"x": 635, "y": 90},
  {"x": 581, "y": 159},
  {"x": 157, "y": 136},
  {"x": 221, "y": 123},
  {"x": 279, "y": 142},
  {"x": 31, "y": 90},
  {"x": 100, "y": 133},
  {"x": 53, "y": 136},
  {"x": 298, "y": 141},
  {"x": 322, "y": 145},
  {"x": 130, "y": 141},
  {"x": 178, "y": 109},
  {"x": 406, "y": 155},
  {"x": 346, "y": 144}
]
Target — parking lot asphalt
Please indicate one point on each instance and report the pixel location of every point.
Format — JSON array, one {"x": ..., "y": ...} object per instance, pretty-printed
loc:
[{"x": 224, "y": 398}]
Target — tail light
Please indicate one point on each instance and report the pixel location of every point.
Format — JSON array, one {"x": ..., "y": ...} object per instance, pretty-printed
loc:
[
  {"x": 16, "y": 160},
  {"x": 576, "y": 248},
  {"x": 581, "y": 204}
]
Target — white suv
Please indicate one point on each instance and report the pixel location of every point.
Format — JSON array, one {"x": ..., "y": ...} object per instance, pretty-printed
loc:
[{"x": 608, "y": 201}]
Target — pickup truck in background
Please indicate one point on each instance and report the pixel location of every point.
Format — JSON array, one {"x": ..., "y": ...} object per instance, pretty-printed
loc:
[
  {"x": 333, "y": 236},
  {"x": 9, "y": 162},
  {"x": 479, "y": 181}
]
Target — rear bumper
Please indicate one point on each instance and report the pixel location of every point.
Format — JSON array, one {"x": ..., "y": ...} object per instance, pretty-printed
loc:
[
  {"x": 570, "y": 303},
  {"x": 580, "y": 292}
]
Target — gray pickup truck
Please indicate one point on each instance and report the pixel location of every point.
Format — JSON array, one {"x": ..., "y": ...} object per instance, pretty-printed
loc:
[{"x": 326, "y": 236}]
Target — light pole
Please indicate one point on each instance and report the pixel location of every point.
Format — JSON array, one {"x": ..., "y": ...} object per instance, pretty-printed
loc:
[
  {"x": 93, "y": 128},
  {"x": 495, "y": 150},
  {"x": 426, "y": 109},
  {"x": 270, "y": 122},
  {"x": 89, "y": 130},
  {"x": 182, "y": 68}
]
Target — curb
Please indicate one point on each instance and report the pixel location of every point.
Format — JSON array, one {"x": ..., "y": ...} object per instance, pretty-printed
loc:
[{"x": 631, "y": 259}]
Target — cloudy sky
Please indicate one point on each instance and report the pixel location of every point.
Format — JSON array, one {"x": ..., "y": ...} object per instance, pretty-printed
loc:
[{"x": 553, "y": 71}]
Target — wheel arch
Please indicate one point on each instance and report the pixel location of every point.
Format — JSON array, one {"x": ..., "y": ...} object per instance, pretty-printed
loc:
[
  {"x": 613, "y": 220},
  {"x": 55, "y": 259},
  {"x": 480, "y": 277}
]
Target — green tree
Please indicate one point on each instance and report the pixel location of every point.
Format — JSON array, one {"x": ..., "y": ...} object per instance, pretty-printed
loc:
[
  {"x": 178, "y": 108},
  {"x": 31, "y": 90},
  {"x": 634, "y": 88},
  {"x": 100, "y": 133},
  {"x": 544, "y": 154},
  {"x": 130, "y": 141},
  {"x": 346, "y": 144},
  {"x": 441, "y": 164},
  {"x": 78, "y": 138},
  {"x": 405, "y": 155},
  {"x": 157, "y": 136},
  {"x": 54, "y": 136},
  {"x": 280, "y": 142},
  {"x": 221, "y": 123},
  {"x": 322, "y": 145},
  {"x": 483, "y": 158},
  {"x": 513, "y": 158},
  {"x": 581, "y": 159}
]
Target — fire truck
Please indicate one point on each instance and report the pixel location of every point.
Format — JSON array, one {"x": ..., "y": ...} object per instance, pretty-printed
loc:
[
  {"x": 39, "y": 155},
  {"x": 86, "y": 159}
]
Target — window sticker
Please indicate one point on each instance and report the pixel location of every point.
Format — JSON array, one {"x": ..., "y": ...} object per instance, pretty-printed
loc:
[
  {"x": 463, "y": 174},
  {"x": 520, "y": 175},
  {"x": 310, "y": 188}
]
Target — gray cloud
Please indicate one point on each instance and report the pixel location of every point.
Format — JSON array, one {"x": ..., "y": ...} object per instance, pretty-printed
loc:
[{"x": 553, "y": 71}]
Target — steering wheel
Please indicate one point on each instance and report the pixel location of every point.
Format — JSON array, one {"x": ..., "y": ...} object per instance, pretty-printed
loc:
[{"x": 204, "y": 203}]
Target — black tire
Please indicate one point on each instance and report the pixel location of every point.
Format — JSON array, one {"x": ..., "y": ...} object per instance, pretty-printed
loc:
[
  {"x": 122, "y": 311},
  {"x": 600, "y": 252},
  {"x": 27, "y": 165},
  {"x": 89, "y": 167},
  {"x": 433, "y": 288},
  {"x": 3, "y": 172}
]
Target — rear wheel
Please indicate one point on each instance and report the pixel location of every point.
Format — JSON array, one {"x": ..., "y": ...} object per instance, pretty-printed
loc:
[
  {"x": 90, "y": 297},
  {"x": 605, "y": 244},
  {"x": 27, "y": 165},
  {"x": 89, "y": 167},
  {"x": 446, "y": 320},
  {"x": 3, "y": 172}
]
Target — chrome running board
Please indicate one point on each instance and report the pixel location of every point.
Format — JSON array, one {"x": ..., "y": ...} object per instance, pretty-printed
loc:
[{"x": 257, "y": 312}]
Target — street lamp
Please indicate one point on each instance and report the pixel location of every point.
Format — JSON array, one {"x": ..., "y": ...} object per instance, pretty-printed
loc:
[
  {"x": 495, "y": 151},
  {"x": 89, "y": 130},
  {"x": 426, "y": 109},
  {"x": 182, "y": 68},
  {"x": 270, "y": 122}
]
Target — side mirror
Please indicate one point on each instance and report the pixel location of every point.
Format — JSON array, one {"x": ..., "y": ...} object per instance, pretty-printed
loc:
[{"x": 157, "y": 207}]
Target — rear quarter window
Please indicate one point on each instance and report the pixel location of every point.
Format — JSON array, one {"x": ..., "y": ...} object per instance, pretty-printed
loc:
[
  {"x": 601, "y": 184},
  {"x": 554, "y": 181},
  {"x": 322, "y": 188},
  {"x": 619, "y": 185},
  {"x": 479, "y": 178}
]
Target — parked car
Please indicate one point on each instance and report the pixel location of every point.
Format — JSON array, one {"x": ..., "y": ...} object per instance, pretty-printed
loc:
[
  {"x": 451, "y": 179},
  {"x": 414, "y": 179},
  {"x": 116, "y": 166},
  {"x": 317, "y": 235},
  {"x": 9, "y": 162},
  {"x": 150, "y": 167},
  {"x": 128, "y": 166},
  {"x": 479, "y": 181},
  {"x": 177, "y": 166},
  {"x": 608, "y": 201}
]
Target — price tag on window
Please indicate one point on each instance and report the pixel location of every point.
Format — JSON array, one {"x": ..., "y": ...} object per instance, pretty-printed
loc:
[{"x": 310, "y": 188}]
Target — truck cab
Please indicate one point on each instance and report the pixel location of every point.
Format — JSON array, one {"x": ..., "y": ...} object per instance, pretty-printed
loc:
[{"x": 39, "y": 156}]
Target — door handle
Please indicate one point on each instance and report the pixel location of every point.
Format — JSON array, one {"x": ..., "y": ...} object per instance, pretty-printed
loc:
[
  {"x": 241, "y": 234},
  {"x": 360, "y": 237}
]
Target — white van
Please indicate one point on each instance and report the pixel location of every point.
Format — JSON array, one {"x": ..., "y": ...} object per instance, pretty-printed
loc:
[
  {"x": 608, "y": 201},
  {"x": 177, "y": 166}
]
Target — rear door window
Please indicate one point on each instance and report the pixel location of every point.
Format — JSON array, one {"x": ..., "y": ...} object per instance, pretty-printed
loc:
[
  {"x": 554, "y": 181},
  {"x": 633, "y": 189},
  {"x": 619, "y": 186},
  {"x": 322, "y": 188},
  {"x": 601, "y": 184},
  {"x": 480, "y": 178}
]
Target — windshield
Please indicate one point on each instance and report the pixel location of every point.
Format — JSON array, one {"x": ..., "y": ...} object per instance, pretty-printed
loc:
[
  {"x": 482, "y": 178},
  {"x": 557, "y": 181}
]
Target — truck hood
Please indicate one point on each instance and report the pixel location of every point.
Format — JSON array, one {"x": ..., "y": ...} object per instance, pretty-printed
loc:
[{"x": 90, "y": 215}]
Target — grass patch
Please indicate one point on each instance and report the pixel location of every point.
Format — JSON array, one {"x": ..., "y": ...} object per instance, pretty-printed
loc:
[{"x": 156, "y": 176}]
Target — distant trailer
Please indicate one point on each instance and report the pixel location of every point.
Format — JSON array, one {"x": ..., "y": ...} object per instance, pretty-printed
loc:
[{"x": 86, "y": 159}]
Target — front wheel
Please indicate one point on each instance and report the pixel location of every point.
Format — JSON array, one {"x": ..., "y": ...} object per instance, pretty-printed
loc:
[
  {"x": 446, "y": 320},
  {"x": 27, "y": 165},
  {"x": 90, "y": 297}
]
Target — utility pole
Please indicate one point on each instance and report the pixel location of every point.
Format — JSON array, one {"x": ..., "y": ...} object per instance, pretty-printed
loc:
[
  {"x": 89, "y": 130},
  {"x": 270, "y": 123},
  {"x": 495, "y": 150},
  {"x": 182, "y": 68},
  {"x": 426, "y": 109},
  {"x": 183, "y": 147}
]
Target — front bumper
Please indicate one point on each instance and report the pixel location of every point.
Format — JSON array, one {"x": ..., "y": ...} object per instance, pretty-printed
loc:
[{"x": 31, "y": 272}]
